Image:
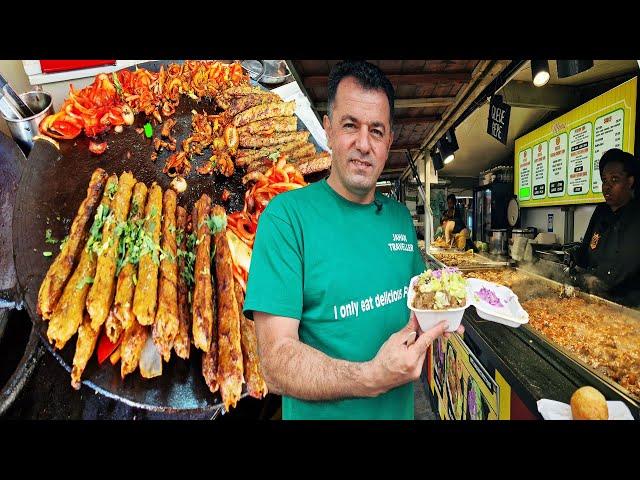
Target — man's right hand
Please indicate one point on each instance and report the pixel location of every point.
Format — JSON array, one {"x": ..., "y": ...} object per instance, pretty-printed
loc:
[{"x": 400, "y": 361}]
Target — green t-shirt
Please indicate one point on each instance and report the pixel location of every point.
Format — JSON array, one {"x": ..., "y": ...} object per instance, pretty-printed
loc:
[{"x": 342, "y": 269}]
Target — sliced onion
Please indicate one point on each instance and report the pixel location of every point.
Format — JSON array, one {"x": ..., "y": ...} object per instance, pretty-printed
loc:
[{"x": 150, "y": 360}]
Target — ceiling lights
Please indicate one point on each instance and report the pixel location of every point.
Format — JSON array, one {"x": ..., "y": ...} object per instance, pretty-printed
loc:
[
  {"x": 540, "y": 72},
  {"x": 569, "y": 68},
  {"x": 447, "y": 146}
]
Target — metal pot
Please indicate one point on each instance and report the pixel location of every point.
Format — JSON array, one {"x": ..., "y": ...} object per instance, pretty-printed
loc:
[
  {"x": 498, "y": 241},
  {"x": 529, "y": 232},
  {"x": 24, "y": 129}
]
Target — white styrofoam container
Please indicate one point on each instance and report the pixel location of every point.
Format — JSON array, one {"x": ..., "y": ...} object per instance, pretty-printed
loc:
[
  {"x": 430, "y": 318},
  {"x": 511, "y": 313}
]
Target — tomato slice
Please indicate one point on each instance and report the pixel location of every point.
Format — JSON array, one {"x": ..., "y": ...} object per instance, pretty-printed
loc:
[
  {"x": 66, "y": 128},
  {"x": 105, "y": 347},
  {"x": 97, "y": 148}
]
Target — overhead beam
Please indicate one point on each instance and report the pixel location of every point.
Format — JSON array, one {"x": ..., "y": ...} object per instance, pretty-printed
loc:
[
  {"x": 395, "y": 148},
  {"x": 401, "y": 79},
  {"x": 417, "y": 120},
  {"x": 484, "y": 74},
  {"x": 407, "y": 103},
  {"x": 551, "y": 97}
]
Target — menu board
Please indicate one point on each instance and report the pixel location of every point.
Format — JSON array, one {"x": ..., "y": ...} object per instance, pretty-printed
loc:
[{"x": 557, "y": 164}]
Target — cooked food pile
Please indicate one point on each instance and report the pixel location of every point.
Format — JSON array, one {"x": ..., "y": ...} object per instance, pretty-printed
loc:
[
  {"x": 440, "y": 243},
  {"x": 459, "y": 259},
  {"x": 140, "y": 278},
  {"x": 440, "y": 290},
  {"x": 113, "y": 100},
  {"x": 247, "y": 127},
  {"x": 242, "y": 226},
  {"x": 598, "y": 334}
]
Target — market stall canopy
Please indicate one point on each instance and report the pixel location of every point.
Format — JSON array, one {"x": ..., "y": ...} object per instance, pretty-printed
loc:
[
  {"x": 530, "y": 107},
  {"x": 430, "y": 95}
]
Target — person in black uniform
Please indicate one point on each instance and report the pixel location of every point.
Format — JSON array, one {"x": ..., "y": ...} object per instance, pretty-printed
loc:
[
  {"x": 609, "y": 256},
  {"x": 452, "y": 220}
]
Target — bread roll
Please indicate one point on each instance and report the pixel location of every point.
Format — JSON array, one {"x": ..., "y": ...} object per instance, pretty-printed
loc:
[{"x": 587, "y": 403}]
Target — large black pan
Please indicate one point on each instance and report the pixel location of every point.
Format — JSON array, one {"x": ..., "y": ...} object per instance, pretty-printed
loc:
[{"x": 50, "y": 191}]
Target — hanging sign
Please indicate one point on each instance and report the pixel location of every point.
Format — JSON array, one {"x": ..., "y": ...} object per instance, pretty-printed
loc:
[{"x": 499, "y": 113}]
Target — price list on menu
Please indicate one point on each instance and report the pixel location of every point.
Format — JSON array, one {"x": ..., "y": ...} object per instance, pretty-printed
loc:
[
  {"x": 557, "y": 182},
  {"x": 540, "y": 170},
  {"x": 607, "y": 134},
  {"x": 580, "y": 159},
  {"x": 525, "y": 174}
]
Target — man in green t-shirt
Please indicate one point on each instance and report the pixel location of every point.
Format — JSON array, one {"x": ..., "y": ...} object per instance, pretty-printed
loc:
[{"x": 330, "y": 270}]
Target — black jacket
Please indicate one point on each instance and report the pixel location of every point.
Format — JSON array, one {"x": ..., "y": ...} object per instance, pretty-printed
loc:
[
  {"x": 457, "y": 218},
  {"x": 610, "y": 250}
]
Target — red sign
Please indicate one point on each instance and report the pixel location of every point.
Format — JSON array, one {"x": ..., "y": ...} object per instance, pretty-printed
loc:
[{"x": 51, "y": 66}]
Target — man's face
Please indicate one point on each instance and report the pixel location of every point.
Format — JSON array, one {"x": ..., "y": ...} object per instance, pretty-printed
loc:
[
  {"x": 359, "y": 135},
  {"x": 450, "y": 203},
  {"x": 616, "y": 185}
]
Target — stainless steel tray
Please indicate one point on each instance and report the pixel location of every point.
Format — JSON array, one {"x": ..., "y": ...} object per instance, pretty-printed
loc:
[{"x": 560, "y": 288}]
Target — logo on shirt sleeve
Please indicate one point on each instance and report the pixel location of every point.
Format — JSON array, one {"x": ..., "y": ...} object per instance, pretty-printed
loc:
[
  {"x": 399, "y": 243},
  {"x": 594, "y": 241}
]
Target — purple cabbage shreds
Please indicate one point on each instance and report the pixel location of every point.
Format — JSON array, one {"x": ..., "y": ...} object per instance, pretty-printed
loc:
[
  {"x": 490, "y": 297},
  {"x": 449, "y": 270}
]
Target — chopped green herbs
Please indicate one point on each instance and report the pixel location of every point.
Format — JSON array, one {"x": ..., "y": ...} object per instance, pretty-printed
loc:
[
  {"x": 216, "y": 223},
  {"x": 48, "y": 238},
  {"x": 95, "y": 233},
  {"x": 83, "y": 282},
  {"x": 112, "y": 190}
]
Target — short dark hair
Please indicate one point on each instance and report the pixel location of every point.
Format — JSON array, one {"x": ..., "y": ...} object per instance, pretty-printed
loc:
[
  {"x": 368, "y": 77},
  {"x": 628, "y": 161},
  {"x": 451, "y": 196}
]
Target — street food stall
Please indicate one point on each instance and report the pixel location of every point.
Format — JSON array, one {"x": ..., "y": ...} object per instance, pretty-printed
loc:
[{"x": 573, "y": 338}]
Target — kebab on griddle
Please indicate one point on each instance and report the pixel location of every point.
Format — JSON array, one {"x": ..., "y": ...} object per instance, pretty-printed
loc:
[
  {"x": 182, "y": 342},
  {"x": 68, "y": 314},
  {"x": 102, "y": 290},
  {"x": 61, "y": 268},
  {"x": 166, "y": 324},
  {"x": 256, "y": 385},
  {"x": 145, "y": 296},
  {"x": 202, "y": 308},
  {"x": 129, "y": 252},
  {"x": 229, "y": 373}
]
